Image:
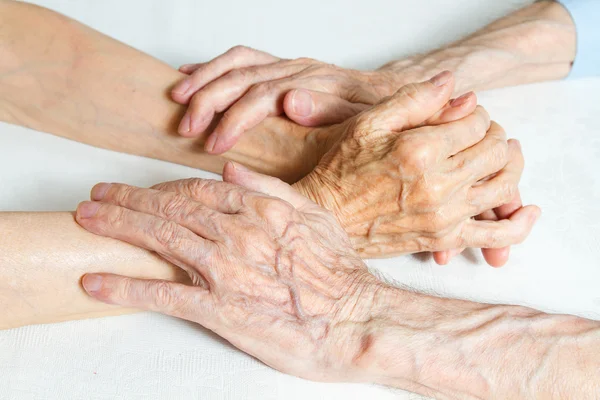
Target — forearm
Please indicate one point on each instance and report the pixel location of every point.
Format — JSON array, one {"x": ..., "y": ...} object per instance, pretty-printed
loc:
[
  {"x": 42, "y": 259},
  {"x": 457, "y": 349},
  {"x": 67, "y": 79},
  {"x": 536, "y": 43}
]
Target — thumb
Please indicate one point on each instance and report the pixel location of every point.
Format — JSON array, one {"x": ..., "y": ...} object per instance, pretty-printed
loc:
[
  {"x": 311, "y": 108},
  {"x": 242, "y": 176},
  {"x": 411, "y": 106}
]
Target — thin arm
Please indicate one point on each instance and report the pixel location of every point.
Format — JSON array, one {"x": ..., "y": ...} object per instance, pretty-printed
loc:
[
  {"x": 42, "y": 259},
  {"x": 67, "y": 79},
  {"x": 536, "y": 43}
]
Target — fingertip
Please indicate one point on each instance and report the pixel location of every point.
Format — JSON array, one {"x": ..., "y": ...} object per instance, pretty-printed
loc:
[
  {"x": 86, "y": 210},
  {"x": 496, "y": 257},
  {"x": 185, "y": 125},
  {"x": 440, "y": 257},
  {"x": 92, "y": 283},
  {"x": 182, "y": 89}
]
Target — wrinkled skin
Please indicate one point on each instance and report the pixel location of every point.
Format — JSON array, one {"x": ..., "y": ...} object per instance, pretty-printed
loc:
[
  {"x": 400, "y": 185},
  {"x": 278, "y": 279},
  {"x": 249, "y": 85}
]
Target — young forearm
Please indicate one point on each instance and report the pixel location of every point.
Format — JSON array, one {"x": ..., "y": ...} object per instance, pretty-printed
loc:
[
  {"x": 69, "y": 80},
  {"x": 42, "y": 259},
  {"x": 452, "y": 349},
  {"x": 536, "y": 43}
]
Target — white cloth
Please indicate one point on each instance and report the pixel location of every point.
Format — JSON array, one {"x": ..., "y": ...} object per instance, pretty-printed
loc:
[{"x": 149, "y": 356}]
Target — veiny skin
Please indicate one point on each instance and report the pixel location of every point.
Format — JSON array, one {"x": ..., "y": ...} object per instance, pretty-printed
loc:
[
  {"x": 264, "y": 269},
  {"x": 279, "y": 279},
  {"x": 408, "y": 175}
]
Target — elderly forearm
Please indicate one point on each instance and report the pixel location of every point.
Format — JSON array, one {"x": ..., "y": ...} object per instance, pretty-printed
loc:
[
  {"x": 67, "y": 79},
  {"x": 42, "y": 259},
  {"x": 536, "y": 43},
  {"x": 457, "y": 349}
]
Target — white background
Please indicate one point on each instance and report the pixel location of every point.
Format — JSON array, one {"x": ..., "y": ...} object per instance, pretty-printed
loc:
[{"x": 148, "y": 356}]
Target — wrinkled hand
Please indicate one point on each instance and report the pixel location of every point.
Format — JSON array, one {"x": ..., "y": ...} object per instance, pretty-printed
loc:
[
  {"x": 400, "y": 185},
  {"x": 249, "y": 85},
  {"x": 277, "y": 278}
]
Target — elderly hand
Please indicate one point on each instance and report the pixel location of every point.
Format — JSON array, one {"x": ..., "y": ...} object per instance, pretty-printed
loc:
[
  {"x": 399, "y": 185},
  {"x": 250, "y": 85},
  {"x": 277, "y": 278}
]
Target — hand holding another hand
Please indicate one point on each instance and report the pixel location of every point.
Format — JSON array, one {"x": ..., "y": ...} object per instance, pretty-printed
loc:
[
  {"x": 277, "y": 278},
  {"x": 413, "y": 173}
]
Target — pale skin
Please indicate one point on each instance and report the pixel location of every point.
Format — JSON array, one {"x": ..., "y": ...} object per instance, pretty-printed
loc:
[
  {"x": 72, "y": 81},
  {"x": 355, "y": 327},
  {"x": 69, "y": 80},
  {"x": 534, "y": 44},
  {"x": 279, "y": 279}
]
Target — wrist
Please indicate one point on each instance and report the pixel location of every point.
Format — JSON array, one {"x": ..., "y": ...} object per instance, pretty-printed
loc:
[{"x": 452, "y": 349}]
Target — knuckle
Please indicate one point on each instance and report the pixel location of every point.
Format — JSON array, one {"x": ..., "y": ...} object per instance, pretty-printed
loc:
[
  {"x": 499, "y": 151},
  {"x": 125, "y": 290},
  {"x": 122, "y": 194},
  {"x": 409, "y": 92},
  {"x": 197, "y": 187},
  {"x": 163, "y": 294},
  {"x": 174, "y": 206},
  {"x": 167, "y": 235},
  {"x": 115, "y": 217},
  {"x": 437, "y": 224},
  {"x": 239, "y": 50},
  {"x": 419, "y": 156}
]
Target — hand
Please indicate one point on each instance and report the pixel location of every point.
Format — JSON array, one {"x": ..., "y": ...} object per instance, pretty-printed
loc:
[
  {"x": 277, "y": 278},
  {"x": 400, "y": 187},
  {"x": 249, "y": 85}
]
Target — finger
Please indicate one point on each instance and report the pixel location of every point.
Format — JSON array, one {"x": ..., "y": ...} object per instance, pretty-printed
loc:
[
  {"x": 502, "y": 189},
  {"x": 464, "y": 133},
  {"x": 483, "y": 159},
  {"x": 189, "y": 68},
  {"x": 444, "y": 257},
  {"x": 223, "y": 197},
  {"x": 145, "y": 231},
  {"x": 409, "y": 107},
  {"x": 240, "y": 175},
  {"x": 498, "y": 234},
  {"x": 261, "y": 101},
  {"x": 313, "y": 108},
  {"x": 499, "y": 257},
  {"x": 171, "y": 298},
  {"x": 236, "y": 57},
  {"x": 454, "y": 110},
  {"x": 223, "y": 92},
  {"x": 166, "y": 205}
]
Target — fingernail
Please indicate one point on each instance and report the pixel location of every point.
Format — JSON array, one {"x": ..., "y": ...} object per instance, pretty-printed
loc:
[
  {"x": 441, "y": 79},
  {"x": 185, "y": 66},
  {"x": 87, "y": 209},
  {"x": 302, "y": 103},
  {"x": 185, "y": 124},
  {"x": 210, "y": 143},
  {"x": 91, "y": 282},
  {"x": 459, "y": 101},
  {"x": 99, "y": 191},
  {"x": 183, "y": 87}
]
